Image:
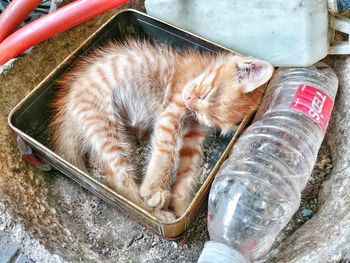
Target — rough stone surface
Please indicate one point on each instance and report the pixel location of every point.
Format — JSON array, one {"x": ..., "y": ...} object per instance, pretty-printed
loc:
[
  {"x": 16, "y": 236},
  {"x": 55, "y": 220}
]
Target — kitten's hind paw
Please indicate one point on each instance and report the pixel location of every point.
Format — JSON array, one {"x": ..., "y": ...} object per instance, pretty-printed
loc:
[
  {"x": 179, "y": 204},
  {"x": 155, "y": 198}
]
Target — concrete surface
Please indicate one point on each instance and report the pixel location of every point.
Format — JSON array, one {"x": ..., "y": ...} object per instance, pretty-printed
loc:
[
  {"x": 10, "y": 251},
  {"x": 52, "y": 219}
]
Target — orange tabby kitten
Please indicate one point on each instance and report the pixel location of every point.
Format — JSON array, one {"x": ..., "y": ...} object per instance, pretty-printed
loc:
[{"x": 126, "y": 91}]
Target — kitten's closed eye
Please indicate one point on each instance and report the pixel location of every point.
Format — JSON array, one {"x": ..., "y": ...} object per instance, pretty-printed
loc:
[
  {"x": 192, "y": 100},
  {"x": 203, "y": 97}
]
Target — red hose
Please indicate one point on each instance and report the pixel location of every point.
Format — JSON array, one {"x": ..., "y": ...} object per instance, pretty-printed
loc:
[
  {"x": 52, "y": 24},
  {"x": 14, "y": 14}
]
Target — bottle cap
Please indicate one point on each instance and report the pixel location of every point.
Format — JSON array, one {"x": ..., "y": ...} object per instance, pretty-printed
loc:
[{"x": 215, "y": 252}]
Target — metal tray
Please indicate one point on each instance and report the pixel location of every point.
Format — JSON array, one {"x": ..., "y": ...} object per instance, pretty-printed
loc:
[{"x": 30, "y": 118}]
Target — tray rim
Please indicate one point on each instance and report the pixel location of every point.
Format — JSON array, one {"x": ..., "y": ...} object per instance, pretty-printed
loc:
[{"x": 203, "y": 189}]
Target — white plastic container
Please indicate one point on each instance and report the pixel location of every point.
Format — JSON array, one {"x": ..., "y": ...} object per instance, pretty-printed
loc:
[
  {"x": 257, "y": 190},
  {"x": 285, "y": 33}
]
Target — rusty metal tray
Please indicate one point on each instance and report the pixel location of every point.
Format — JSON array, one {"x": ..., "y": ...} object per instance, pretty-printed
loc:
[{"x": 30, "y": 118}]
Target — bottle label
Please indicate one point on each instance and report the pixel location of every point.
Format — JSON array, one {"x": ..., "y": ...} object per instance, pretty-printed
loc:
[{"x": 314, "y": 103}]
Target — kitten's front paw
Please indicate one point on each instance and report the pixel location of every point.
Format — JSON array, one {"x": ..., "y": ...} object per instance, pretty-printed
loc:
[{"x": 155, "y": 197}]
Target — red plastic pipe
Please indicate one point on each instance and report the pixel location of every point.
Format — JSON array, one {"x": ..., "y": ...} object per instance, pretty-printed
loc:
[
  {"x": 52, "y": 24},
  {"x": 14, "y": 14}
]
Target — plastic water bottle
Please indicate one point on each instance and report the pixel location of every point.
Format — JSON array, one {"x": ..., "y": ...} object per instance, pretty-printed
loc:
[
  {"x": 289, "y": 33},
  {"x": 258, "y": 188}
]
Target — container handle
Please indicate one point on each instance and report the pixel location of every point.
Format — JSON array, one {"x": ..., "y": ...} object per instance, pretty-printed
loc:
[
  {"x": 28, "y": 155},
  {"x": 340, "y": 24}
]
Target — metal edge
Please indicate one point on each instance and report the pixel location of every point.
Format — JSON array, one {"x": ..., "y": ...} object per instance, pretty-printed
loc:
[{"x": 163, "y": 226}]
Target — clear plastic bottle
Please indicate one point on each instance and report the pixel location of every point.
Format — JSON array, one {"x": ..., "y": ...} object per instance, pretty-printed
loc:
[{"x": 259, "y": 186}]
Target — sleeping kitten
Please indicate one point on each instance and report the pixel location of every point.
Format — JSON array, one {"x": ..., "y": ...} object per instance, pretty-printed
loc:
[{"x": 126, "y": 91}]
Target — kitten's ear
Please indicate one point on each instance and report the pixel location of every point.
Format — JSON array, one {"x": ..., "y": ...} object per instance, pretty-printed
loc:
[{"x": 252, "y": 73}]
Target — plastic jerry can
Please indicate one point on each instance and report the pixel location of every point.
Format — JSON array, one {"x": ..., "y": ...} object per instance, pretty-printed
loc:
[{"x": 284, "y": 33}]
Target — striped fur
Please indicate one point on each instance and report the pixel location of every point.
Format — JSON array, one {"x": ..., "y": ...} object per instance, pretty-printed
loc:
[{"x": 125, "y": 92}]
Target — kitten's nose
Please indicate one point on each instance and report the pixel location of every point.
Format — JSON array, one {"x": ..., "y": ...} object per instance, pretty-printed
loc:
[{"x": 189, "y": 100}]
